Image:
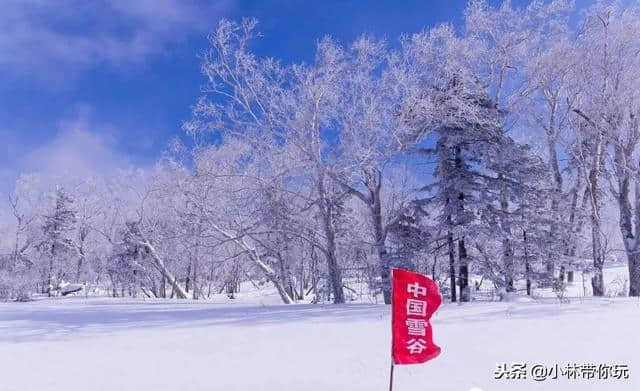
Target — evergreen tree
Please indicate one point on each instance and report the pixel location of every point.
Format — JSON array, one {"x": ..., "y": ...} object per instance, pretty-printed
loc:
[{"x": 57, "y": 246}]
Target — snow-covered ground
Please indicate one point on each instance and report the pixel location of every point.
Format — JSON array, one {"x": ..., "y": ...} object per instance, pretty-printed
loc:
[{"x": 75, "y": 343}]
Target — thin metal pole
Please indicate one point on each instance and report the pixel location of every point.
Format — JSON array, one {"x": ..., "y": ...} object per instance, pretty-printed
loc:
[
  {"x": 391, "y": 376},
  {"x": 392, "y": 366}
]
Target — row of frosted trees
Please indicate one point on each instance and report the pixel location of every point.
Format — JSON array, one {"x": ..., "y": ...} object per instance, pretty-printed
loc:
[{"x": 505, "y": 151}]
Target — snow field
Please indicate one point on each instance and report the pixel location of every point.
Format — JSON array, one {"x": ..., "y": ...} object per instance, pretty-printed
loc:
[{"x": 120, "y": 344}]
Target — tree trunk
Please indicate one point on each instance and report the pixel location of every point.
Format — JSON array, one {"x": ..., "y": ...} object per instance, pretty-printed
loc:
[
  {"x": 452, "y": 267},
  {"x": 381, "y": 248},
  {"x": 285, "y": 271},
  {"x": 196, "y": 262},
  {"x": 373, "y": 181},
  {"x": 84, "y": 232},
  {"x": 114, "y": 292},
  {"x": 80, "y": 262},
  {"x": 570, "y": 247},
  {"x": 557, "y": 193},
  {"x": 50, "y": 271},
  {"x": 463, "y": 261},
  {"x": 313, "y": 272},
  {"x": 335, "y": 275},
  {"x": 508, "y": 265},
  {"x": 326, "y": 211},
  {"x": 434, "y": 266},
  {"x": 633, "y": 257},
  {"x": 160, "y": 265},
  {"x": 629, "y": 237},
  {"x": 634, "y": 274},
  {"x": 465, "y": 292},
  {"x": 303, "y": 281},
  {"x": 373, "y": 201},
  {"x": 187, "y": 280},
  {"x": 527, "y": 264},
  {"x": 49, "y": 276},
  {"x": 597, "y": 282},
  {"x": 271, "y": 275},
  {"x": 195, "y": 279},
  {"x": 507, "y": 247}
]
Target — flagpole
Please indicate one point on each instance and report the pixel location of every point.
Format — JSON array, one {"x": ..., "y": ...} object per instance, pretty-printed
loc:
[
  {"x": 392, "y": 366},
  {"x": 391, "y": 376}
]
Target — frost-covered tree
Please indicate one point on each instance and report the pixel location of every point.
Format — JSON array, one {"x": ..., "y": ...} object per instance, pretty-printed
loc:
[
  {"x": 56, "y": 247},
  {"x": 604, "y": 110},
  {"x": 608, "y": 126},
  {"x": 18, "y": 265},
  {"x": 369, "y": 139},
  {"x": 285, "y": 108},
  {"x": 505, "y": 37},
  {"x": 497, "y": 149}
]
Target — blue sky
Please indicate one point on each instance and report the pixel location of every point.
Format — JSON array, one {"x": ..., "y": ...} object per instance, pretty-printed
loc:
[{"x": 88, "y": 85}]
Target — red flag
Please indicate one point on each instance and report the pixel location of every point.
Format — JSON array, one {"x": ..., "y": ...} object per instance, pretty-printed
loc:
[{"x": 415, "y": 299}]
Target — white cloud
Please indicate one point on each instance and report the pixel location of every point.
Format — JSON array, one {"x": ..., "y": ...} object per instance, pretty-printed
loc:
[
  {"x": 77, "y": 150},
  {"x": 80, "y": 149},
  {"x": 39, "y": 37}
]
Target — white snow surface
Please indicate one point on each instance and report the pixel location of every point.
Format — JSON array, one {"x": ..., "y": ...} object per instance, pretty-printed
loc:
[{"x": 74, "y": 343}]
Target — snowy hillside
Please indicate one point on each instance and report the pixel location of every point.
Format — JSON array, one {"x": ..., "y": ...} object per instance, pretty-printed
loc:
[{"x": 113, "y": 344}]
